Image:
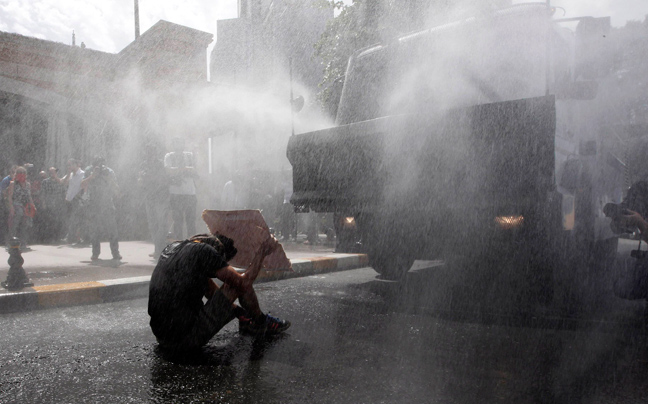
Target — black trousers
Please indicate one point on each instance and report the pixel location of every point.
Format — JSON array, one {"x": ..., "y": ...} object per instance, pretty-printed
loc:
[
  {"x": 183, "y": 211},
  {"x": 104, "y": 223},
  {"x": 214, "y": 315}
]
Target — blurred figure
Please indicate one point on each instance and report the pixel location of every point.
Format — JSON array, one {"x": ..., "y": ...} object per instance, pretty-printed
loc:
[
  {"x": 52, "y": 207},
  {"x": 228, "y": 198},
  {"x": 288, "y": 216},
  {"x": 231, "y": 198},
  {"x": 312, "y": 228},
  {"x": 155, "y": 186},
  {"x": 101, "y": 185},
  {"x": 73, "y": 198},
  {"x": 38, "y": 235},
  {"x": 21, "y": 208},
  {"x": 4, "y": 184},
  {"x": 4, "y": 209},
  {"x": 179, "y": 166}
]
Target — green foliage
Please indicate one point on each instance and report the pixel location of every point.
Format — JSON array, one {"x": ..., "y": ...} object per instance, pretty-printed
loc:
[
  {"x": 358, "y": 25},
  {"x": 342, "y": 36}
]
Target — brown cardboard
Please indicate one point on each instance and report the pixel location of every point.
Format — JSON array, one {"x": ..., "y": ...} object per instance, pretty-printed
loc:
[{"x": 249, "y": 231}]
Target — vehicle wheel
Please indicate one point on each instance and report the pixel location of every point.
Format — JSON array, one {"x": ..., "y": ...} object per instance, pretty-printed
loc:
[
  {"x": 389, "y": 244},
  {"x": 391, "y": 267}
]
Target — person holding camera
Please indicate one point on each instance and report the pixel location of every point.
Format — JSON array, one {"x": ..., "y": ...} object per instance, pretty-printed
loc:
[
  {"x": 628, "y": 217},
  {"x": 101, "y": 185}
]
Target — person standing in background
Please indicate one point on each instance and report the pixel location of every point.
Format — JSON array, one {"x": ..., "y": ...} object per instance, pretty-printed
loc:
[
  {"x": 52, "y": 201},
  {"x": 154, "y": 184},
  {"x": 179, "y": 165},
  {"x": 288, "y": 216},
  {"x": 73, "y": 200},
  {"x": 21, "y": 208},
  {"x": 101, "y": 185},
  {"x": 4, "y": 207}
]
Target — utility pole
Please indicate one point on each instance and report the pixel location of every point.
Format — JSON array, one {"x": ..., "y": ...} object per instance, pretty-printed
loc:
[
  {"x": 137, "y": 29},
  {"x": 292, "y": 108},
  {"x": 549, "y": 49}
]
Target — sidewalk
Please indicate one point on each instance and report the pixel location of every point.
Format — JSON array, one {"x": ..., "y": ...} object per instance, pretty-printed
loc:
[{"x": 64, "y": 275}]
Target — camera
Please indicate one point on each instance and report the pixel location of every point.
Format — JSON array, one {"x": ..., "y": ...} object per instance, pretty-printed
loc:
[
  {"x": 614, "y": 210},
  {"x": 102, "y": 170},
  {"x": 636, "y": 200}
]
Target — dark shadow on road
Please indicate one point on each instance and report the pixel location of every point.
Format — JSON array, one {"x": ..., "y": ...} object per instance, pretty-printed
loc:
[
  {"x": 226, "y": 370},
  {"x": 516, "y": 356},
  {"x": 499, "y": 301},
  {"x": 224, "y": 351},
  {"x": 105, "y": 263}
]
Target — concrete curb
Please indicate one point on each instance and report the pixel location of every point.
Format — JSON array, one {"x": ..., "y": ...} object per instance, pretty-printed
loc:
[{"x": 81, "y": 293}]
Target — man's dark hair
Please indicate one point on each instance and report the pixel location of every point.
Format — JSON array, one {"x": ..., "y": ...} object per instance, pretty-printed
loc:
[{"x": 224, "y": 245}]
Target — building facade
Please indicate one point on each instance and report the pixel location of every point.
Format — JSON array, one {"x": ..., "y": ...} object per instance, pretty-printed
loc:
[{"x": 59, "y": 101}]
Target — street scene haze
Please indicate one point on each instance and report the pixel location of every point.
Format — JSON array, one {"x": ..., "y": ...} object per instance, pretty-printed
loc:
[{"x": 322, "y": 201}]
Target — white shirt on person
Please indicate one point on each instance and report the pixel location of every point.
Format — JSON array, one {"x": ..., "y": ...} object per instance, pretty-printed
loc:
[{"x": 74, "y": 184}]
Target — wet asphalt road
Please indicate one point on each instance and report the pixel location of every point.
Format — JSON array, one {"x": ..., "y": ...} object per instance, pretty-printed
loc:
[{"x": 354, "y": 339}]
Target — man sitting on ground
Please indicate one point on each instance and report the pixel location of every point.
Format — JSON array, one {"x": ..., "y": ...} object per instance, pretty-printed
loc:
[{"x": 183, "y": 276}]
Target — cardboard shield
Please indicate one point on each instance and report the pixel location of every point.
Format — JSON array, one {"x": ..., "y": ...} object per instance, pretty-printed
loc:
[{"x": 249, "y": 231}]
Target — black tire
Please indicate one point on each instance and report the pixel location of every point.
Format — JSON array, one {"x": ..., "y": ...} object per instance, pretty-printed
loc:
[
  {"x": 392, "y": 267},
  {"x": 388, "y": 246}
]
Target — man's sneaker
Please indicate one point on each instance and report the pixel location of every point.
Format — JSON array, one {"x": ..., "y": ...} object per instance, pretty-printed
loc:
[
  {"x": 275, "y": 325},
  {"x": 268, "y": 326},
  {"x": 94, "y": 258}
]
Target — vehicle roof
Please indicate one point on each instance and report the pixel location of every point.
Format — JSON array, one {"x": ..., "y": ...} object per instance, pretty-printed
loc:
[{"x": 515, "y": 10}]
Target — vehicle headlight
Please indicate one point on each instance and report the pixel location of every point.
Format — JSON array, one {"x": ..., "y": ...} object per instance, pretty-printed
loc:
[
  {"x": 509, "y": 222},
  {"x": 349, "y": 222}
]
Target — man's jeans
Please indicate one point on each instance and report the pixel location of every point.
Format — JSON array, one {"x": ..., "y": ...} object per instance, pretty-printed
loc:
[
  {"x": 104, "y": 223},
  {"x": 183, "y": 210},
  {"x": 156, "y": 215}
]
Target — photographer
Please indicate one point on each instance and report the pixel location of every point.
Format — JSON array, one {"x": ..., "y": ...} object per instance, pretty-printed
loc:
[
  {"x": 101, "y": 185},
  {"x": 628, "y": 217}
]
